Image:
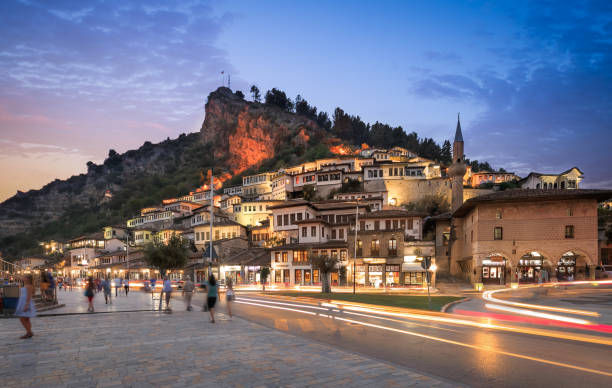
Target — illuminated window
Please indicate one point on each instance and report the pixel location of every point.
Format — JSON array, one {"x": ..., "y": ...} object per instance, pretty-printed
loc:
[
  {"x": 498, "y": 233},
  {"x": 359, "y": 248},
  {"x": 374, "y": 247},
  {"x": 498, "y": 214},
  {"x": 569, "y": 231},
  {"x": 392, "y": 247}
]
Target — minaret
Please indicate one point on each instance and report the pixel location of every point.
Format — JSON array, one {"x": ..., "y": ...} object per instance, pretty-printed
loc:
[{"x": 457, "y": 169}]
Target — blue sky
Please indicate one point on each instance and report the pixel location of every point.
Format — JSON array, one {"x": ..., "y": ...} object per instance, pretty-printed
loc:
[{"x": 531, "y": 79}]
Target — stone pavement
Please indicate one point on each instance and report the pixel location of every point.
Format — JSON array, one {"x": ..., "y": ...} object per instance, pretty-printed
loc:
[{"x": 144, "y": 349}]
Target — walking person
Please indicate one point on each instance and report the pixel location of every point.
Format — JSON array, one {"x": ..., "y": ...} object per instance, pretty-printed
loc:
[
  {"x": 117, "y": 285},
  {"x": 188, "y": 288},
  {"x": 167, "y": 290},
  {"x": 25, "y": 306},
  {"x": 229, "y": 295},
  {"x": 106, "y": 286},
  {"x": 89, "y": 293},
  {"x": 211, "y": 298},
  {"x": 126, "y": 286}
]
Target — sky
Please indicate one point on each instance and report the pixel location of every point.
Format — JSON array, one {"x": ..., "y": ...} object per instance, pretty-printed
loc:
[{"x": 532, "y": 79}]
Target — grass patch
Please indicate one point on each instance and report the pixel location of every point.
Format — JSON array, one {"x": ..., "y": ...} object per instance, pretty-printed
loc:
[{"x": 406, "y": 301}]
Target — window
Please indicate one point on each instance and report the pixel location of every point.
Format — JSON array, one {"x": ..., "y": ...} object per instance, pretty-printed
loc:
[
  {"x": 359, "y": 248},
  {"x": 313, "y": 231},
  {"x": 376, "y": 225},
  {"x": 285, "y": 257},
  {"x": 322, "y": 231},
  {"x": 341, "y": 234},
  {"x": 395, "y": 224},
  {"x": 279, "y": 220},
  {"x": 387, "y": 224},
  {"x": 304, "y": 231},
  {"x": 569, "y": 231},
  {"x": 277, "y": 256},
  {"x": 374, "y": 247},
  {"x": 217, "y": 234},
  {"x": 333, "y": 234},
  {"x": 570, "y": 212},
  {"x": 392, "y": 247},
  {"x": 445, "y": 238},
  {"x": 498, "y": 233},
  {"x": 361, "y": 225},
  {"x": 292, "y": 219},
  {"x": 286, "y": 219},
  {"x": 334, "y": 254},
  {"x": 299, "y": 216},
  {"x": 410, "y": 224},
  {"x": 498, "y": 214}
]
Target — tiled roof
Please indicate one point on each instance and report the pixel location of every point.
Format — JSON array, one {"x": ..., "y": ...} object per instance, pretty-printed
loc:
[
  {"x": 532, "y": 195},
  {"x": 250, "y": 257},
  {"x": 307, "y": 246},
  {"x": 393, "y": 214},
  {"x": 312, "y": 221},
  {"x": 291, "y": 203}
]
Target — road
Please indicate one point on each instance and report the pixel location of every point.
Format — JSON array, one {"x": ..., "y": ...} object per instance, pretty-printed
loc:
[{"x": 474, "y": 356}]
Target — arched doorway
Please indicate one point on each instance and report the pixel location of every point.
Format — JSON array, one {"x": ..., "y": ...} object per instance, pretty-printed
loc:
[
  {"x": 494, "y": 269},
  {"x": 566, "y": 266},
  {"x": 529, "y": 267}
]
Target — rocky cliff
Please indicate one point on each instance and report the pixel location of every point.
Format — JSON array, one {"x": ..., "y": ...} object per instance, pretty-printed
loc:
[
  {"x": 246, "y": 133},
  {"x": 236, "y": 135}
]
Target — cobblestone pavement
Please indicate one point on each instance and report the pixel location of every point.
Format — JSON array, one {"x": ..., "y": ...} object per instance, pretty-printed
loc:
[{"x": 145, "y": 349}]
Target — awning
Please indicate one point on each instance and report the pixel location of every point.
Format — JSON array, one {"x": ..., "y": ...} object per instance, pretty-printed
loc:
[{"x": 412, "y": 267}]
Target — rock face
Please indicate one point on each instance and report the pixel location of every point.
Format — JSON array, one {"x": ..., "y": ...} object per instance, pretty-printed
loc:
[{"x": 246, "y": 133}]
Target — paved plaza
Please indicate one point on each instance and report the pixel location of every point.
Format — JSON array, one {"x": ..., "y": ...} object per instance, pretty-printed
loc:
[{"x": 146, "y": 348}]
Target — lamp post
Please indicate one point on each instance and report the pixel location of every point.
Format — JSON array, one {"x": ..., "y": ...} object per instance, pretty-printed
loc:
[{"x": 355, "y": 255}]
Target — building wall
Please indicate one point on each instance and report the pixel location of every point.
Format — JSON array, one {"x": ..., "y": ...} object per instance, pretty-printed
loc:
[
  {"x": 527, "y": 227},
  {"x": 410, "y": 190}
]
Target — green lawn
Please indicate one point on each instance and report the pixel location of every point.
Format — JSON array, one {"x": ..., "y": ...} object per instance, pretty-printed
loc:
[{"x": 407, "y": 301}]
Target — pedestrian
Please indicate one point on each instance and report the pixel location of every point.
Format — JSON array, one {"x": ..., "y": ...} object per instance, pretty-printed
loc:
[
  {"x": 229, "y": 295},
  {"x": 51, "y": 288},
  {"x": 153, "y": 281},
  {"x": 126, "y": 285},
  {"x": 117, "y": 285},
  {"x": 44, "y": 285},
  {"x": 188, "y": 288},
  {"x": 98, "y": 286},
  {"x": 89, "y": 293},
  {"x": 211, "y": 298},
  {"x": 167, "y": 290},
  {"x": 106, "y": 286},
  {"x": 25, "y": 305}
]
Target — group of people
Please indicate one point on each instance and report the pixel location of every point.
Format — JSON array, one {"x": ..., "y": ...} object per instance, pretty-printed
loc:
[{"x": 211, "y": 288}]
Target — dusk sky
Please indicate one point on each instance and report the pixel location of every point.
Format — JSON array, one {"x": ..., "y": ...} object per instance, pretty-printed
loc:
[{"x": 532, "y": 80}]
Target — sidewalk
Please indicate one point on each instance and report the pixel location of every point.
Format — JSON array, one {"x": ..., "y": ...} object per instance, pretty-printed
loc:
[{"x": 181, "y": 349}]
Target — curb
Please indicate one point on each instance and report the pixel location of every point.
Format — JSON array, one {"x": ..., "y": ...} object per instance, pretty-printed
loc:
[{"x": 451, "y": 304}]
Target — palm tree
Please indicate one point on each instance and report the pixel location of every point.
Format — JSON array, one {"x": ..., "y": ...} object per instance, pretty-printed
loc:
[{"x": 325, "y": 265}]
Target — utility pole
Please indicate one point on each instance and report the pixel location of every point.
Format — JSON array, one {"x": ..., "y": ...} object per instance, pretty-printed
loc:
[
  {"x": 127, "y": 256},
  {"x": 355, "y": 256},
  {"x": 212, "y": 216},
  {"x": 228, "y": 81}
]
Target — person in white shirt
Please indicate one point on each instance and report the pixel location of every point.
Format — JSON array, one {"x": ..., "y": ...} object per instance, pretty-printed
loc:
[{"x": 117, "y": 285}]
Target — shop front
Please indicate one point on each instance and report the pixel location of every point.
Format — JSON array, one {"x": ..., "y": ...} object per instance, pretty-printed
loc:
[
  {"x": 566, "y": 267},
  {"x": 375, "y": 275},
  {"x": 392, "y": 272},
  {"x": 528, "y": 267},
  {"x": 414, "y": 274},
  {"x": 494, "y": 270}
]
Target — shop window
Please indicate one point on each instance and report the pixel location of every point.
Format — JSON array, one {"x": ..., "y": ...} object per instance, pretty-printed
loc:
[
  {"x": 498, "y": 233},
  {"x": 343, "y": 255},
  {"x": 392, "y": 247},
  {"x": 359, "y": 248},
  {"x": 569, "y": 231},
  {"x": 334, "y": 254},
  {"x": 375, "y": 247}
]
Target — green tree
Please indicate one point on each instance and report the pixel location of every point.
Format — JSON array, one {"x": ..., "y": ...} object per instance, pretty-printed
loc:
[
  {"x": 167, "y": 256},
  {"x": 326, "y": 265},
  {"x": 342, "y": 275},
  {"x": 446, "y": 153},
  {"x": 255, "y": 93},
  {"x": 263, "y": 276},
  {"x": 239, "y": 94},
  {"x": 279, "y": 98}
]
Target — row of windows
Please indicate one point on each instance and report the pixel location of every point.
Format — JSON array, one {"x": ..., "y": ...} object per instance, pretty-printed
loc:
[
  {"x": 200, "y": 236},
  {"x": 290, "y": 219},
  {"x": 570, "y": 185},
  {"x": 389, "y": 224},
  {"x": 261, "y": 237},
  {"x": 302, "y": 256},
  {"x": 329, "y": 177},
  {"x": 254, "y": 179},
  {"x": 375, "y": 247},
  {"x": 498, "y": 232}
]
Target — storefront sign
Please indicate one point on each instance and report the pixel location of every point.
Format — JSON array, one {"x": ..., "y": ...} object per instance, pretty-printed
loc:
[
  {"x": 230, "y": 268},
  {"x": 393, "y": 268},
  {"x": 375, "y": 268},
  {"x": 361, "y": 268},
  {"x": 280, "y": 265}
]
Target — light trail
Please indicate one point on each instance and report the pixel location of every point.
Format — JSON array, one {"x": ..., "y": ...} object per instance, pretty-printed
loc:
[
  {"x": 488, "y": 295},
  {"x": 455, "y": 321},
  {"x": 530, "y": 313},
  {"x": 443, "y": 340}
]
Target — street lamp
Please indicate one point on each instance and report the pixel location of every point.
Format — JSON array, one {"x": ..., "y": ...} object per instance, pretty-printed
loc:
[{"x": 355, "y": 255}]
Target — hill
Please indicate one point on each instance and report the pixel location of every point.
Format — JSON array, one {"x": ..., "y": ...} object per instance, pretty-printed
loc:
[{"x": 237, "y": 138}]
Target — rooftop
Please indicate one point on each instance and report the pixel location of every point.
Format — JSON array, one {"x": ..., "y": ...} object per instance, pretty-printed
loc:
[
  {"x": 532, "y": 195},
  {"x": 393, "y": 214}
]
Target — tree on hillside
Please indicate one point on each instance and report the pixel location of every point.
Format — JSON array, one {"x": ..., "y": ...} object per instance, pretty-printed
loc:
[
  {"x": 303, "y": 108},
  {"x": 255, "y": 93},
  {"x": 446, "y": 154},
  {"x": 324, "y": 121},
  {"x": 239, "y": 94},
  {"x": 167, "y": 256},
  {"x": 279, "y": 98},
  {"x": 326, "y": 265}
]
